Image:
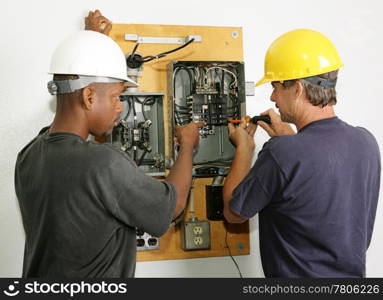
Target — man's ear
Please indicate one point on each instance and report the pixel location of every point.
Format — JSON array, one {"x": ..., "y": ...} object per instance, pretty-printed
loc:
[
  {"x": 298, "y": 89},
  {"x": 88, "y": 97}
]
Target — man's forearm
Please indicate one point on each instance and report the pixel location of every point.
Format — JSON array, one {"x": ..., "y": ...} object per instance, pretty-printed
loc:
[
  {"x": 181, "y": 176},
  {"x": 239, "y": 169}
]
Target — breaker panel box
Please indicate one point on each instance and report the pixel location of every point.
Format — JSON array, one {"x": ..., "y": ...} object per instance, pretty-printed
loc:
[{"x": 212, "y": 92}]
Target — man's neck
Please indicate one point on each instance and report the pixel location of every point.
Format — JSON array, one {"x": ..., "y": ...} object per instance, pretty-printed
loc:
[
  {"x": 315, "y": 113},
  {"x": 69, "y": 123}
]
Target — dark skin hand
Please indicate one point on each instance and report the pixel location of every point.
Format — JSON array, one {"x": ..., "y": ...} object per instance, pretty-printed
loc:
[
  {"x": 180, "y": 175},
  {"x": 97, "y": 22}
]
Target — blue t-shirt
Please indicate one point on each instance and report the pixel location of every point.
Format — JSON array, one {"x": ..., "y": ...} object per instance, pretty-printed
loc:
[{"x": 316, "y": 193}]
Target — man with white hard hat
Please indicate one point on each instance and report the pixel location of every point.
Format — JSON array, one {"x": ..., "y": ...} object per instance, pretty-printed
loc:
[
  {"x": 316, "y": 190},
  {"x": 81, "y": 200}
]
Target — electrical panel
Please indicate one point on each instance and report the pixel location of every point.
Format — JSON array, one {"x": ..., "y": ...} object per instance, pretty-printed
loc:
[
  {"x": 140, "y": 133},
  {"x": 212, "y": 92}
]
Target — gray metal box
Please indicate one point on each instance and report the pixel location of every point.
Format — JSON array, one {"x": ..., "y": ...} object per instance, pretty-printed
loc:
[
  {"x": 147, "y": 107},
  {"x": 209, "y": 91},
  {"x": 195, "y": 235}
]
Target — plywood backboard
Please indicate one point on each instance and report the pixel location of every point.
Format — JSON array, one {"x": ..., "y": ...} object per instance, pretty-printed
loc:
[{"x": 218, "y": 44}]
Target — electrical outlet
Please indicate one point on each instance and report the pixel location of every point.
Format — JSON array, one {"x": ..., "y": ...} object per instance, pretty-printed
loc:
[
  {"x": 195, "y": 235},
  {"x": 198, "y": 240},
  {"x": 146, "y": 242},
  {"x": 197, "y": 230}
]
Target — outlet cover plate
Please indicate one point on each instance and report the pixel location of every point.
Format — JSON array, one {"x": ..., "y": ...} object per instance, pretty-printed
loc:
[{"x": 195, "y": 235}]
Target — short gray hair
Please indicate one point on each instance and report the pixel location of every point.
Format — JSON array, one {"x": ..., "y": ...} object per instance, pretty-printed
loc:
[{"x": 317, "y": 95}]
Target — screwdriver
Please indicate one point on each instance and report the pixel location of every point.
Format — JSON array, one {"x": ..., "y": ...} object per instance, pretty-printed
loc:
[{"x": 254, "y": 120}]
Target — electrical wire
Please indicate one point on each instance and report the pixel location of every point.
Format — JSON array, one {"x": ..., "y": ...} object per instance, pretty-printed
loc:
[
  {"x": 228, "y": 249},
  {"x": 223, "y": 69},
  {"x": 134, "y": 49},
  {"x": 183, "y": 112},
  {"x": 129, "y": 109},
  {"x": 191, "y": 199},
  {"x": 163, "y": 54},
  {"x": 134, "y": 61},
  {"x": 142, "y": 157},
  {"x": 149, "y": 101}
]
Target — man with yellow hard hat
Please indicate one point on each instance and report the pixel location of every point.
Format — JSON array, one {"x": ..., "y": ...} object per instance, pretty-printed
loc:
[{"x": 316, "y": 191}]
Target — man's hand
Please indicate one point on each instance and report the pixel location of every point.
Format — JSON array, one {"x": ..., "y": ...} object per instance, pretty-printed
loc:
[
  {"x": 243, "y": 135},
  {"x": 188, "y": 135},
  {"x": 180, "y": 174},
  {"x": 277, "y": 127},
  {"x": 97, "y": 22},
  {"x": 243, "y": 138}
]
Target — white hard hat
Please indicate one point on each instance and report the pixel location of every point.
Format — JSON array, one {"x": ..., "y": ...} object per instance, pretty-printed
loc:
[{"x": 91, "y": 55}]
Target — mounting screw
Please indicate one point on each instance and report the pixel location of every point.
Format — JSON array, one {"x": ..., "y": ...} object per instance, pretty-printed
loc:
[
  {"x": 240, "y": 247},
  {"x": 234, "y": 34}
]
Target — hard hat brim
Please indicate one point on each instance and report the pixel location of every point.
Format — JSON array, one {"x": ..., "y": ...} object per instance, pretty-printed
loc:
[
  {"x": 131, "y": 83},
  {"x": 263, "y": 81}
]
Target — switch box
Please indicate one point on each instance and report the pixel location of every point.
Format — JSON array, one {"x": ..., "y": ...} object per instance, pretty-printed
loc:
[
  {"x": 140, "y": 133},
  {"x": 195, "y": 235},
  {"x": 214, "y": 202}
]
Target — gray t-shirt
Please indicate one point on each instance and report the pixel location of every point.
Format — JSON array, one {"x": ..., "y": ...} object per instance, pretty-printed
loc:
[
  {"x": 80, "y": 203},
  {"x": 316, "y": 193}
]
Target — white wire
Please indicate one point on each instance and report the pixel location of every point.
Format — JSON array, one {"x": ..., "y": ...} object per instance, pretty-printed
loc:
[{"x": 225, "y": 70}]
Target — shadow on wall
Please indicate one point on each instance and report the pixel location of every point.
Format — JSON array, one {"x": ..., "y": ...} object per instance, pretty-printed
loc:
[{"x": 52, "y": 104}]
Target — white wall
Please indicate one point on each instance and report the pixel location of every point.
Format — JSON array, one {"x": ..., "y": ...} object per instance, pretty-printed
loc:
[{"x": 31, "y": 29}]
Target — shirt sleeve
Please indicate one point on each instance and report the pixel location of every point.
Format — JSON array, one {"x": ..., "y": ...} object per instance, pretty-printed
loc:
[
  {"x": 135, "y": 198},
  {"x": 261, "y": 186}
]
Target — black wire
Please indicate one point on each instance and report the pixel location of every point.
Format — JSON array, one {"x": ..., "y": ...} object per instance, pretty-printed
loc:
[
  {"x": 147, "y": 101},
  {"x": 129, "y": 109},
  {"x": 135, "y": 154},
  {"x": 223, "y": 83},
  {"x": 220, "y": 161},
  {"x": 134, "y": 51},
  {"x": 142, "y": 158},
  {"x": 234, "y": 100},
  {"x": 133, "y": 99},
  {"x": 191, "y": 79},
  {"x": 182, "y": 107},
  {"x": 183, "y": 110},
  {"x": 163, "y": 54},
  {"x": 228, "y": 249}
]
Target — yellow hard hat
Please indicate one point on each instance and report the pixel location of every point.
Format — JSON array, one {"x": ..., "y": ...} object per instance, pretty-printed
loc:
[{"x": 298, "y": 54}]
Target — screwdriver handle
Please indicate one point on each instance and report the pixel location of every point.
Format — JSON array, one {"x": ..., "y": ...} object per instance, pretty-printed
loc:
[
  {"x": 254, "y": 120},
  {"x": 265, "y": 119}
]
